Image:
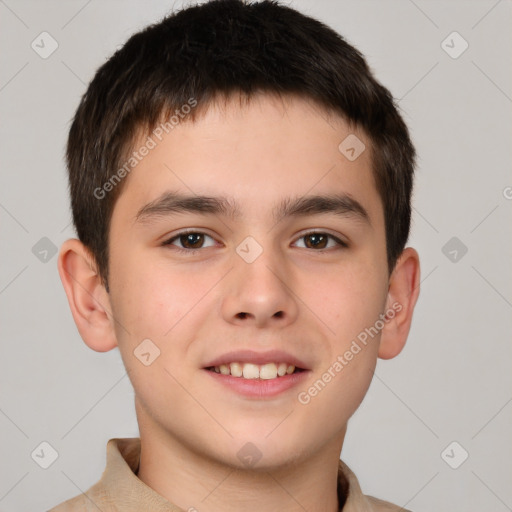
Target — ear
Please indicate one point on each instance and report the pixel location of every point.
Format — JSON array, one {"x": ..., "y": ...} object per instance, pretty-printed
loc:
[
  {"x": 403, "y": 292},
  {"x": 88, "y": 299}
]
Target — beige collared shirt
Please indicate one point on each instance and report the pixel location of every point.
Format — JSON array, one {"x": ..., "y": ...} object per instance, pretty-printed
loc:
[{"x": 120, "y": 490}]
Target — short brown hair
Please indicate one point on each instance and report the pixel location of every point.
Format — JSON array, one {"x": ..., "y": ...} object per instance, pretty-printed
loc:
[{"x": 224, "y": 47}]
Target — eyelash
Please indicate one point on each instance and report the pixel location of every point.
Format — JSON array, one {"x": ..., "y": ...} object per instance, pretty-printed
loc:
[{"x": 190, "y": 252}]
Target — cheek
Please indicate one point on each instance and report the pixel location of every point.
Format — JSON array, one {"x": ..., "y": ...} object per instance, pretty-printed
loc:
[
  {"x": 349, "y": 299},
  {"x": 154, "y": 298},
  {"x": 155, "y": 303}
]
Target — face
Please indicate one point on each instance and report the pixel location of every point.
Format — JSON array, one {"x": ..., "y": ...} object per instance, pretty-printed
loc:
[{"x": 253, "y": 280}]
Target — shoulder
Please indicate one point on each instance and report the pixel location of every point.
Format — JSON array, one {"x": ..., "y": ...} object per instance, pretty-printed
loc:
[
  {"x": 71, "y": 505},
  {"x": 94, "y": 499},
  {"x": 108, "y": 493},
  {"x": 384, "y": 506}
]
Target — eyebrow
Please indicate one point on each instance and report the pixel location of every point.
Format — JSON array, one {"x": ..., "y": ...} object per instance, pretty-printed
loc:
[{"x": 175, "y": 203}]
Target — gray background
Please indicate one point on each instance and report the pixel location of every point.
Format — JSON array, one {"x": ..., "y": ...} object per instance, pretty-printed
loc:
[{"x": 451, "y": 383}]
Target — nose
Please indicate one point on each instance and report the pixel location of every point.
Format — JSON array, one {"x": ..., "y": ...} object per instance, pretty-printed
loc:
[{"x": 260, "y": 293}]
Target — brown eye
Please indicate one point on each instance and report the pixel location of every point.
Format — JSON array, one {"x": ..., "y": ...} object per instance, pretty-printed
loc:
[
  {"x": 192, "y": 240},
  {"x": 188, "y": 241},
  {"x": 319, "y": 241}
]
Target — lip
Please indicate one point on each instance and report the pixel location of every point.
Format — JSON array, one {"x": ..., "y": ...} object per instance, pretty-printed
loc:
[
  {"x": 250, "y": 356},
  {"x": 259, "y": 388}
]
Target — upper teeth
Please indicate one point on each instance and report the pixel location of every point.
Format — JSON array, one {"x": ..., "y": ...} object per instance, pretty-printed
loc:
[{"x": 254, "y": 371}]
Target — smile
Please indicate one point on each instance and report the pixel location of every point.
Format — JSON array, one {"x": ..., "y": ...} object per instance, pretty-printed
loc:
[{"x": 254, "y": 371}]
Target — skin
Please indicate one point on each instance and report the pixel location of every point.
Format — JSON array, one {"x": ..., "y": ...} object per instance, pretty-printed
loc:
[{"x": 191, "y": 428}]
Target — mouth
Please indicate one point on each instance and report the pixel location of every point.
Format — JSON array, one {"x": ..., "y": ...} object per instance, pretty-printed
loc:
[
  {"x": 255, "y": 375},
  {"x": 251, "y": 371}
]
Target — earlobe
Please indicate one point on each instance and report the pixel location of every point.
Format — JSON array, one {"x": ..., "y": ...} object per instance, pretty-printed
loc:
[
  {"x": 404, "y": 289},
  {"x": 88, "y": 300}
]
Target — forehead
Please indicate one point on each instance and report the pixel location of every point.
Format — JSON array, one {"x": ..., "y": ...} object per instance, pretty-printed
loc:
[{"x": 259, "y": 154}]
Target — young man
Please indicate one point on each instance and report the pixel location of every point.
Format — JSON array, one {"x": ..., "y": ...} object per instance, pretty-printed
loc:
[{"x": 241, "y": 187}]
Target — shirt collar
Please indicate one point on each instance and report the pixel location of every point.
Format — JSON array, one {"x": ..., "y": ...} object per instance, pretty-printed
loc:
[{"x": 130, "y": 494}]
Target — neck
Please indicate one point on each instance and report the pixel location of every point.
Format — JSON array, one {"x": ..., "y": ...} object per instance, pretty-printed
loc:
[{"x": 195, "y": 482}]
